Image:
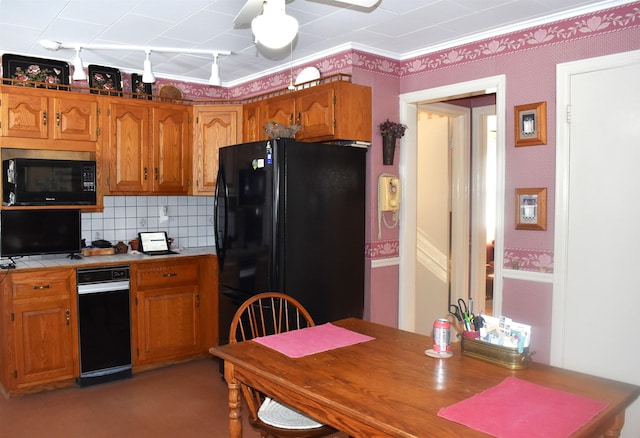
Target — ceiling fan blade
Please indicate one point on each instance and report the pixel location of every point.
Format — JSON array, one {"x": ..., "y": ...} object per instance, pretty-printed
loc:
[
  {"x": 249, "y": 11},
  {"x": 361, "y": 3}
]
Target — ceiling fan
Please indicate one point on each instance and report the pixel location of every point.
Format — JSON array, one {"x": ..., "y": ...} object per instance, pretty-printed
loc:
[{"x": 273, "y": 28}]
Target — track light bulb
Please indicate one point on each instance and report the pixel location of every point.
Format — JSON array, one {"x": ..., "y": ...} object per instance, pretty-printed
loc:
[
  {"x": 147, "y": 76},
  {"x": 78, "y": 69},
  {"x": 215, "y": 72}
]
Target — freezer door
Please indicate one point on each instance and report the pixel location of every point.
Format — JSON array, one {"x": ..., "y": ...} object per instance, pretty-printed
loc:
[{"x": 243, "y": 217}]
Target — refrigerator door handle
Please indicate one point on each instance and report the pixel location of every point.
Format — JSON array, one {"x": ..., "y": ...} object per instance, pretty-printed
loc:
[{"x": 221, "y": 186}]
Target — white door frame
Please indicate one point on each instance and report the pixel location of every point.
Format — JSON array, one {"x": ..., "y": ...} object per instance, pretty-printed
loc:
[
  {"x": 408, "y": 173},
  {"x": 479, "y": 136}
]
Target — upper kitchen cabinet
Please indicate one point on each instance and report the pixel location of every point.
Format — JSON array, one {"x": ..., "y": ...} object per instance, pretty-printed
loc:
[
  {"x": 128, "y": 149},
  {"x": 149, "y": 147},
  {"x": 215, "y": 126},
  {"x": 33, "y": 118},
  {"x": 338, "y": 110},
  {"x": 253, "y": 119},
  {"x": 281, "y": 110},
  {"x": 171, "y": 150}
]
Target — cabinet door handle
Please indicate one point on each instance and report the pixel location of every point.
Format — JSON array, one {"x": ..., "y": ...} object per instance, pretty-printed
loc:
[
  {"x": 145, "y": 173},
  {"x": 58, "y": 118},
  {"x": 197, "y": 300},
  {"x": 44, "y": 118},
  {"x": 46, "y": 286},
  {"x": 156, "y": 173},
  {"x": 170, "y": 274},
  {"x": 67, "y": 315}
]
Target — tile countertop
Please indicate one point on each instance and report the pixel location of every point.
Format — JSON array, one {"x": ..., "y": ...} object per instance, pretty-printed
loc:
[{"x": 60, "y": 260}]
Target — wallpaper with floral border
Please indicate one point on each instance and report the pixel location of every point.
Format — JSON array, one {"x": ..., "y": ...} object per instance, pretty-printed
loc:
[
  {"x": 605, "y": 21},
  {"x": 528, "y": 260},
  {"x": 382, "y": 249}
]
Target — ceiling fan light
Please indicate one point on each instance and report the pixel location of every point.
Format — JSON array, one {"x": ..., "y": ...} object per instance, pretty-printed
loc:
[
  {"x": 78, "y": 69},
  {"x": 147, "y": 76},
  {"x": 274, "y": 31}
]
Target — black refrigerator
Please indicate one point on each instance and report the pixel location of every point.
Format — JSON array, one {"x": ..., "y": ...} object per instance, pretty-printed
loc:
[{"x": 289, "y": 217}]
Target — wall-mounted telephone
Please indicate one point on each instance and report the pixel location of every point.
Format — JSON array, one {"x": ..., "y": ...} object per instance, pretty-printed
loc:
[
  {"x": 389, "y": 192},
  {"x": 388, "y": 200}
]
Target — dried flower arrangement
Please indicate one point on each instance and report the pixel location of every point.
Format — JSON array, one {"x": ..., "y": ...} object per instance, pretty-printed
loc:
[{"x": 392, "y": 128}]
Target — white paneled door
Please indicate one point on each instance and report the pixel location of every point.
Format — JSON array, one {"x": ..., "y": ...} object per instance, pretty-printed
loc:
[{"x": 596, "y": 289}]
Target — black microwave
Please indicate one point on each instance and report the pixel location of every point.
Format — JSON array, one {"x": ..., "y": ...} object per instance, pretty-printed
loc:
[{"x": 34, "y": 181}]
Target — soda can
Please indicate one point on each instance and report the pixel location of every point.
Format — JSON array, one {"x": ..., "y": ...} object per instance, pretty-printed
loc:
[{"x": 441, "y": 335}]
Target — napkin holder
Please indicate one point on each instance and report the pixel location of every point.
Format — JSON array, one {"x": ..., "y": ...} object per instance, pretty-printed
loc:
[{"x": 505, "y": 357}]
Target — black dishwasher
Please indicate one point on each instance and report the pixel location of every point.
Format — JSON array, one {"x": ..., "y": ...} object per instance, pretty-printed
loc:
[{"x": 104, "y": 318}]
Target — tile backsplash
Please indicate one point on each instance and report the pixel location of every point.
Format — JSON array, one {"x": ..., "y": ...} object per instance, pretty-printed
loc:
[{"x": 188, "y": 219}]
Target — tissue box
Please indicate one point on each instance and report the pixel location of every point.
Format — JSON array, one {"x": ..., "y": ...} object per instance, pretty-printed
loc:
[{"x": 496, "y": 354}]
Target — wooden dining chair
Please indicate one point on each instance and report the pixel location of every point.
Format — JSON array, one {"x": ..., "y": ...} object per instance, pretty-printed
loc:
[{"x": 262, "y": 315}]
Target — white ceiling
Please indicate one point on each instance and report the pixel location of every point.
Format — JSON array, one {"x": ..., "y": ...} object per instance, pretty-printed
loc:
[{"x": 397, "y": 29}]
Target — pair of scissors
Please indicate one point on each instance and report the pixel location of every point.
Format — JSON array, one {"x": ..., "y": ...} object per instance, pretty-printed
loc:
[
  {"x": 464, "y": 310},
  {"x": 455, "y": 311}
]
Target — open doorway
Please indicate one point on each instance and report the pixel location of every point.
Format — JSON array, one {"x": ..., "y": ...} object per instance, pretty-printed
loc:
[{"x": 416, "y": 313}]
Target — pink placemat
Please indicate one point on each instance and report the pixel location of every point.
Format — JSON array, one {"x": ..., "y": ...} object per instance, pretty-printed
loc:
[
  {"x": 516, "y": 408},
  {"x": 311, "y": 340}
]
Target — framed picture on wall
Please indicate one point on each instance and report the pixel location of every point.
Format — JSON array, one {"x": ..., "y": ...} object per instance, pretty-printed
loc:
[
  {"x": 531, "y": 209},
  {"x": 531, "y": 124}
]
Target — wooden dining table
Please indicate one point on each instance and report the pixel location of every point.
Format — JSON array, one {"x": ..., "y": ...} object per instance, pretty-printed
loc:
[{"x": 389, "y": 387}]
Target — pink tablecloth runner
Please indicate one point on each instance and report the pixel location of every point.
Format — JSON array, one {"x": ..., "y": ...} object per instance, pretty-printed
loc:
[
  {"x": 311, "y": 340},
  {"x": 516, "y": 408}
]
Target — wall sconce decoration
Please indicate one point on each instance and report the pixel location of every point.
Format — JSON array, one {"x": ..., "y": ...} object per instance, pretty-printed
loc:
[
  {"x": 531, "y": 124},
  {"x": 531, "y": 209}
]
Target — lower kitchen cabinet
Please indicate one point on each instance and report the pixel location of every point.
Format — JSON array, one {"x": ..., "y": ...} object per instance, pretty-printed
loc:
[
  {"x": 172, "y": 309},
  {"x": 174, "y": 317},
  {"x": 40, "y": 345}
]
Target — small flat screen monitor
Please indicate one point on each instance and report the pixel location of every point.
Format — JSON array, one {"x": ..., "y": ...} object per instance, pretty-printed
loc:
[{"x": 33, "y": 232}]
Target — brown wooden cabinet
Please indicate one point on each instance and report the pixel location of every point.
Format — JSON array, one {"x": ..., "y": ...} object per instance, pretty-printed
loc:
[
  {"x": 169, "y": 307},
  {"x": 253, "y": 120},
  {"x": 171, "y": 150},
  {"x": 174, "y": 311},
  {"x": 281, "y": 109},
  {"x": 331, "y": 111},
  {"x": 128, "y": 148},
  {"x": 215, "y": 126},
  {"x": 149, "y": 149},
  {"x": 40, "y": 344},
  {"x": 46, "y": 119}
]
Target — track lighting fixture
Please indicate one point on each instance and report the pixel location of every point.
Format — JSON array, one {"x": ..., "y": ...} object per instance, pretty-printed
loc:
[
  {"x": 215, "y": 72},
  {"x": 78, "y": 69},
  {"x": 148, "y": 76}
]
